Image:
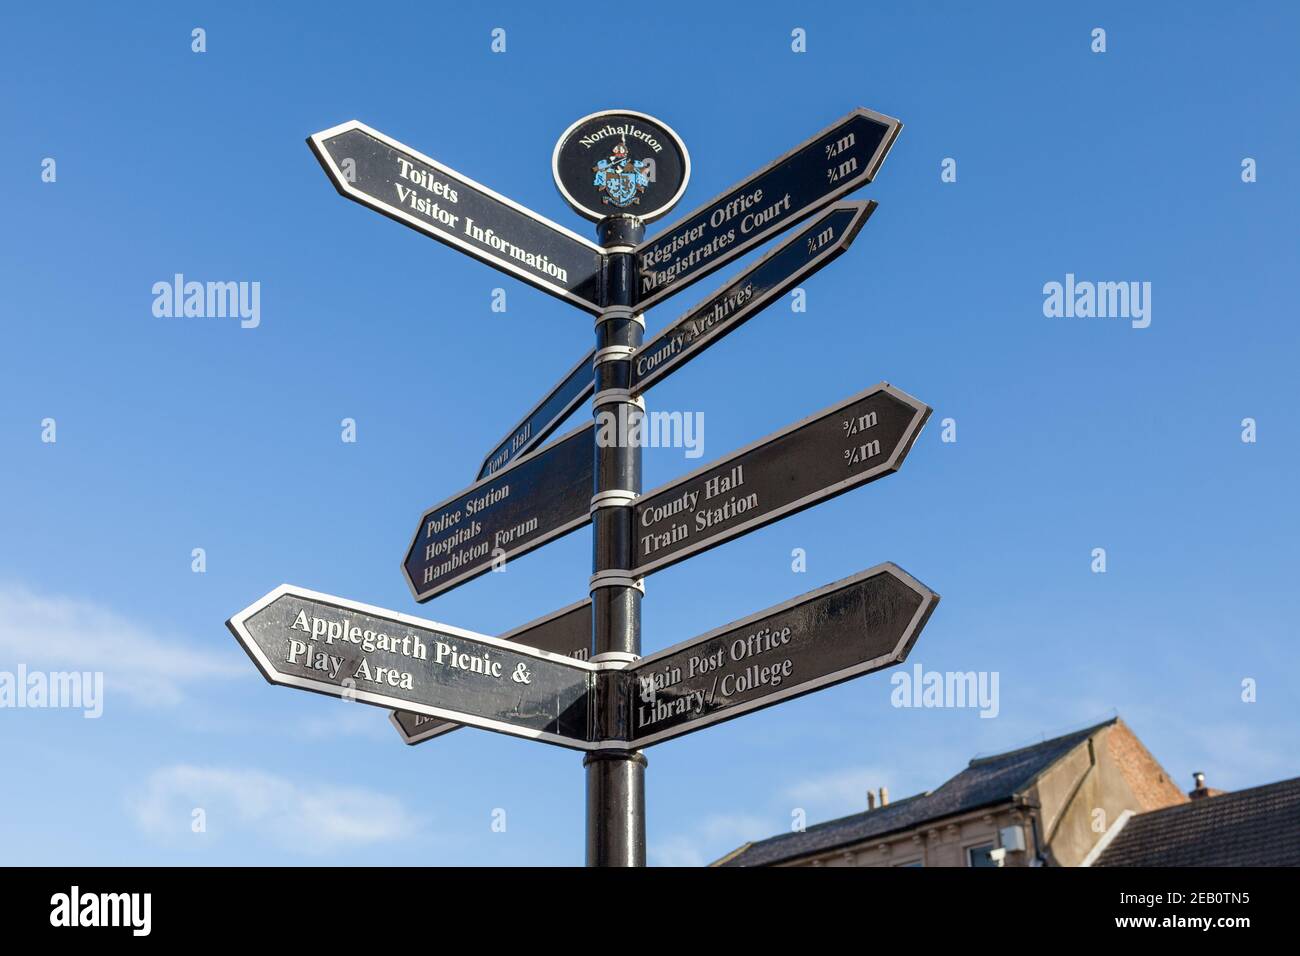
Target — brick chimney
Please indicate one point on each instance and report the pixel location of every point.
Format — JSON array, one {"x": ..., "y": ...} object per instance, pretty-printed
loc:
[
  {"x": 1201, "y": 791},
  {"x": 884, "y": 796},
  {"x": 871, "y": 799}
]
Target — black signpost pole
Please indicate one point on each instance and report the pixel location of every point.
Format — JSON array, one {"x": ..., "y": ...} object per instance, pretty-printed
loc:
[
  {"x": 533, "y": 682},
  {"x": 615, "y": 779}
]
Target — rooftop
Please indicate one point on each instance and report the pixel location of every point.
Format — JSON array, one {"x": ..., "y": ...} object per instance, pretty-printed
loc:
[
  {"x": 1256, "y": 827},
  {"x": 985, "y": 781}
]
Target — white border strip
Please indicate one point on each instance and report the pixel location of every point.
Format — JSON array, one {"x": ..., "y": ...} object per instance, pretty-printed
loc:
[
  {"x": 238, "y": 625},
  {"x": 530, "y": 545},
  {"x": 1100, "y": 846},
  {"x": 516, "y": 635},
  {"x": 615, "y": 578},
  {"x": 863, "y": 209},
  {"x": 317, "y": 141},
  {"x": 541, "y": 434},
  {"x": 867, "y": 174},
  {"x": 928, "y": 601}
]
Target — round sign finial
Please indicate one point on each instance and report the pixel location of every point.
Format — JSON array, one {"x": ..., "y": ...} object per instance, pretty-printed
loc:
[{"x": 621, "y": 163}]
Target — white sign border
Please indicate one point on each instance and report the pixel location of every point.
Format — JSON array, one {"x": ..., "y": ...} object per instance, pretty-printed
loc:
[
  {"x": 317, "y": 143},
  {"x": 921, "y": 412},
  {"x": 863, "y": 208},
  {"x": 548, "y": 429},
  {"x": 519, "y": 552},
  {"x": 867, "y": 174},
  {"x": 238, "y": 625},
  {"x": 929, "y": 600},
  {"x": 511, "y": 635}
]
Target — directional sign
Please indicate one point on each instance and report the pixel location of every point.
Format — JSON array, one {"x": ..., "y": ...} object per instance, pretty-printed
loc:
[
  {"x": 318, "y": 642},
  {"x": 833, "y": 163},
  {"x": 619, "y": 162},
  {"x": 861, "y": 624},
  {"x": 391, "y": 178},
  {"x": 859, "y": 440},
  {"x": 537, "y": 498},
  {"x": 544, "y": 417},
  {"x": 566, "y": 632},
  {"x": 757, "y": 287}
]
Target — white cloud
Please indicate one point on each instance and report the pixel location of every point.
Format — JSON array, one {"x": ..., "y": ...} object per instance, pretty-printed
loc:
[
  {"x": 61, "y": 633},
  {"x": 309, "y": 818},
  {"x": 709, "y": 839}
]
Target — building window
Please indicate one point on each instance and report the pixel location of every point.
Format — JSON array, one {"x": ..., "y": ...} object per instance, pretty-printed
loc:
[
  {"x": 979, "y": 855},
  {"x": 910, "y": 863}
]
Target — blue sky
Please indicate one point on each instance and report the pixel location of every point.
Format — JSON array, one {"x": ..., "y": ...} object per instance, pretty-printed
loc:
[{"x": 1072, "y": 433}]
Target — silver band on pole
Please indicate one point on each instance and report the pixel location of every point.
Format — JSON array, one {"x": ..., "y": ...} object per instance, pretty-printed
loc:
[
  {"x": 617, "y": 657},
  {"x": 611, "y": 396},
  {"x": 621, "y": 312},
  {"x": 613, "y": 498},
  {"x": 613, "y": 353},
  {"x": 615, "y": 579}
]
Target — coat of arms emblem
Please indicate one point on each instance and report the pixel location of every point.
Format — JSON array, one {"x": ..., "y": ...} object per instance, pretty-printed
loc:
[{"x": 620, "y": 178}]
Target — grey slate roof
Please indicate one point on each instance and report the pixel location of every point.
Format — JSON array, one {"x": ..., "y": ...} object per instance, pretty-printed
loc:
[
  {"x": 985, "y": 782},
  {"x": 1256, "y": 827}
]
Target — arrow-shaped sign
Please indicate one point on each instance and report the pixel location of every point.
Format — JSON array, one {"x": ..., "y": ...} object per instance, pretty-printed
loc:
[
  {"x": 391, "y": 178},
  {"x": 833, "y": 163},
  {"x": 779, "y": 271},
  {"x": 861, "y": 624},
  {"x": 536, "y": 499},
  {"x": 448, "y": 676},
  {"x": 859, "y": 440},
  {"x": 543, "y": 418},
  {"x": 319, "y": 642},
  {"x": 771, "y": 277},
  {"x": 566, "y": 632},
  {"x": 547, "y": 493}
]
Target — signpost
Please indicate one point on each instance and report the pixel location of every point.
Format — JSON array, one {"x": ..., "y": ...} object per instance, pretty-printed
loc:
[
  {"x": 566, "y": 632},
  {"x": 619, "y": 162},
  {"x": 790, "y": 263},
  {"x": 538, "y": 498},
  {"x": 818, "y": 171},
  {"x": 846, "y": 629},
  {"x": 771, "y": 277},
  {"x": 318, "y": 642},
  {"x": 445, "y": 676},
  {"x": 576, "y": 678},
  {"x": 543, "y": 418},
  {"x": 370, "y": 168},
  {"x": 859, "y": 440}
]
